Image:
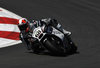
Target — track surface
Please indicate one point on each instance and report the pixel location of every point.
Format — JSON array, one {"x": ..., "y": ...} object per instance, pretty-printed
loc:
[{"x": 81, "y": 17}]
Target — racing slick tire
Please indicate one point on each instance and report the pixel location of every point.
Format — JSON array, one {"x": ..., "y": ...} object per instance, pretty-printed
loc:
[{"x": 54, "y": 45}]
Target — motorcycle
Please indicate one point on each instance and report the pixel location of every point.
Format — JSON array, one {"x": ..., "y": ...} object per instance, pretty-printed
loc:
[{"x": 53, "y": 40}]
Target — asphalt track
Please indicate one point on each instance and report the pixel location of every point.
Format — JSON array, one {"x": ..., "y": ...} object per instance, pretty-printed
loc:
[{"x": 81, "y": 17}]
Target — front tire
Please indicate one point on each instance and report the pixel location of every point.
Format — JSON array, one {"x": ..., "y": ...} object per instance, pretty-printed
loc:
[{"x": 54, "y": 45}]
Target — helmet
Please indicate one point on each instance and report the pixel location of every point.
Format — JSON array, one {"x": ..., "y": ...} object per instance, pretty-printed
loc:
[{"x": 23, "y": 23}]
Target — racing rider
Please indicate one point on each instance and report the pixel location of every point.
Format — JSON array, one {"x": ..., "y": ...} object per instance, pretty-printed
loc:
[{"x": 26, "y": 27}]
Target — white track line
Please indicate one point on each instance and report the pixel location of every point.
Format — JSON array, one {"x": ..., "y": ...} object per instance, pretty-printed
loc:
[
  {"x": 9, "y": 14},
  {"x": 8, "y": 42},
  {"x": 9, "y": 27}
]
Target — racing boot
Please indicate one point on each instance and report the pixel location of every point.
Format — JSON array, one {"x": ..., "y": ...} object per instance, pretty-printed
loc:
[{"x": 29, "y": 47}]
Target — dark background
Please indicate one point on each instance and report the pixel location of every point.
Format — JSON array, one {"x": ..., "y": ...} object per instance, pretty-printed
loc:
[{"x": 81, "y": 17}]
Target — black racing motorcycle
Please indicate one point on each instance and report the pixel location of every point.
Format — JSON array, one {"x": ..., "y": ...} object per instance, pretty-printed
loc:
[{"x": 52, "y": 40}]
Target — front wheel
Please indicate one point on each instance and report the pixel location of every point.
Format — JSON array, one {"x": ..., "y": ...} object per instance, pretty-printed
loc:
[{"x": 54, "y": 45}]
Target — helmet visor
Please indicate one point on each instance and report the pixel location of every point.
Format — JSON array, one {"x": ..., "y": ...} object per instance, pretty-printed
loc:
[{"x": 23, "y": 27}]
